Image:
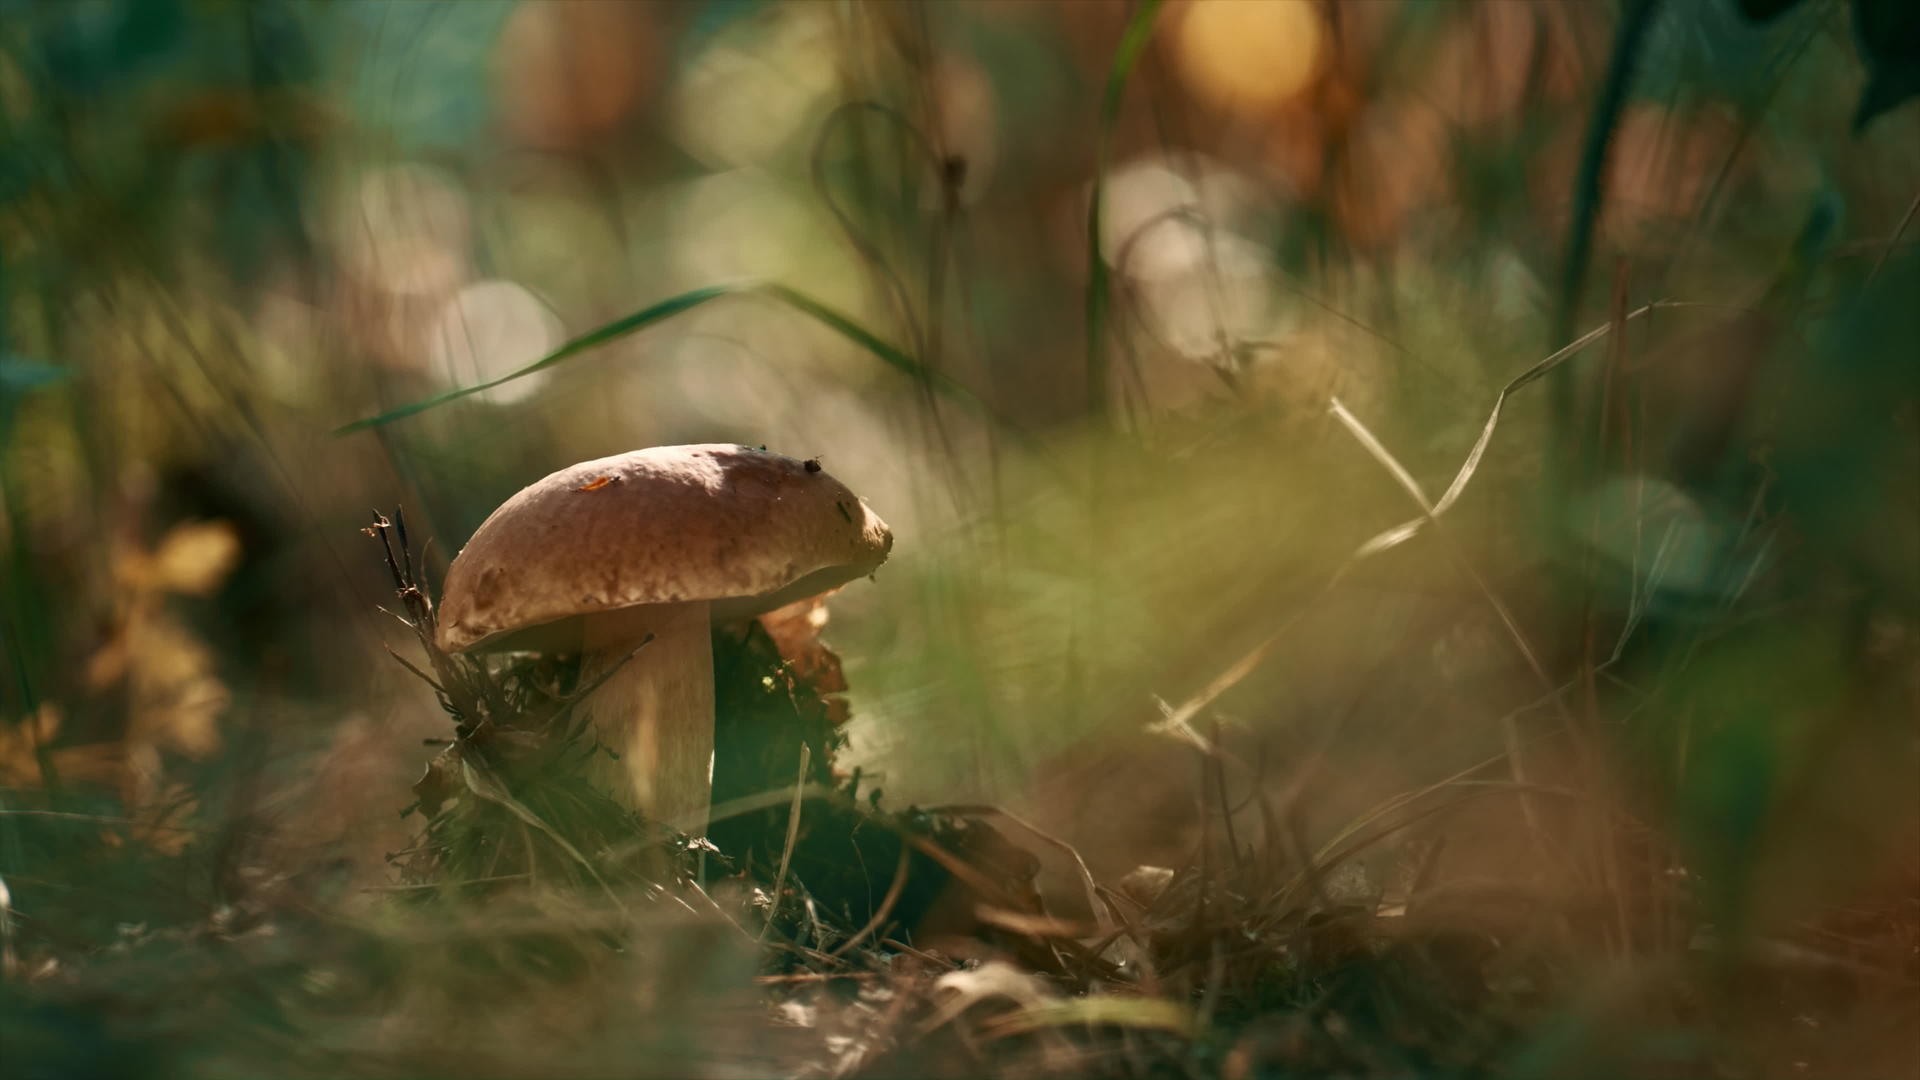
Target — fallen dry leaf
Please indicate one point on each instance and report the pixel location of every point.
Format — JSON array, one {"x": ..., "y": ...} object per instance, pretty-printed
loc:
[
  {"x": 795, "y": 630},
  {"x": 19, "y": 744},
  {"x": 195, "y": 557}
]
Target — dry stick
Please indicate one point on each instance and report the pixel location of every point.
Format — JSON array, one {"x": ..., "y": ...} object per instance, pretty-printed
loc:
[{"x": 793, "y": 835}]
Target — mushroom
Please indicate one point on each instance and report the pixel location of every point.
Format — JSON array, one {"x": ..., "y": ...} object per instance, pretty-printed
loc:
[{"x": 658, "y": 542}]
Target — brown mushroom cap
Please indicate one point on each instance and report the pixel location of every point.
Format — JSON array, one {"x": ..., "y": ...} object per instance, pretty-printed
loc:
[{"x": 744, "y": 529}]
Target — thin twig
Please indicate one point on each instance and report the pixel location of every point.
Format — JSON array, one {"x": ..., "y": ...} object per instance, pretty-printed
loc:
[
  {"x": 885, "y": 910},
  {"x": 1094, "y": 900},
  {"x": 409, "y": 665},
  {"x": 793, "y": 836}
]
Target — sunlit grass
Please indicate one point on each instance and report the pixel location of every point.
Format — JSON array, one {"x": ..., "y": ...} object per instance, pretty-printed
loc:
[{"x": 1274, "y": 675}]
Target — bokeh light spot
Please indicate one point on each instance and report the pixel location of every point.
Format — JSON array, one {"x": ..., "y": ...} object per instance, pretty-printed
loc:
[{"x": 1250, "y": 55}]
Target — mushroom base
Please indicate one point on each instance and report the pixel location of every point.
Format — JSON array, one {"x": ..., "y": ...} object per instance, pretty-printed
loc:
[{"x": 656, "y": 711}]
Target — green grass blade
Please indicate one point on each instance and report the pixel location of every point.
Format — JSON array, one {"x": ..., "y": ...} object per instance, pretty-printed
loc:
[
  {"x": 1132, "y": 43},
  {"x": 618, "y": 328},
  {"x": 891, "y": 355}
]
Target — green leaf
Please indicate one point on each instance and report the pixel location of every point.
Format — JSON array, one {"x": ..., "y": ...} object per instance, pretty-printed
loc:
[
  {"x": 1132, "y": 44},
  {"x": 891, "y": 355}
]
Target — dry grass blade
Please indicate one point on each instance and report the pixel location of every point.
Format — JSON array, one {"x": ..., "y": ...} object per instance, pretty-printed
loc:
[
  {"x": 484, "y": 784},
  {"x": 1380, "y": 454},
  {"x": 1095, "y": 902},
  {"x": 880, "y": 914},
  {"x": 1145, "y": 1013},
  {"x": 747, "y": 804},
  {"x": 793, "y": 837},
  {"x": 1181, "y": 717},
  {"x": 415, "y": 670},
  {"x": 1399, "y": 472},
  {"x": 1407, "y": 530},
  {"x": 1030, "y": 925}
]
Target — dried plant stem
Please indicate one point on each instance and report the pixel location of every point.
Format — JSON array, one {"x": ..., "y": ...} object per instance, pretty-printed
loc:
[{"x": 793, "y": 836}]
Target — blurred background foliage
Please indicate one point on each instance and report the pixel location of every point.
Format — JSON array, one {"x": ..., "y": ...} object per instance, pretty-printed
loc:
[{"x": 228, "y": 229}]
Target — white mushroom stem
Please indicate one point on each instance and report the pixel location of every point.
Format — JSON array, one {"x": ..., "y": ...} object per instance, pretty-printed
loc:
[{"x": 656, "y": 711}]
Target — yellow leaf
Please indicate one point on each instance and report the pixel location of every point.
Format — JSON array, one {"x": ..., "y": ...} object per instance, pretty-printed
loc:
[
  {"x": 195, "y": 557},
  {"x": 19, "y": 761}
]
